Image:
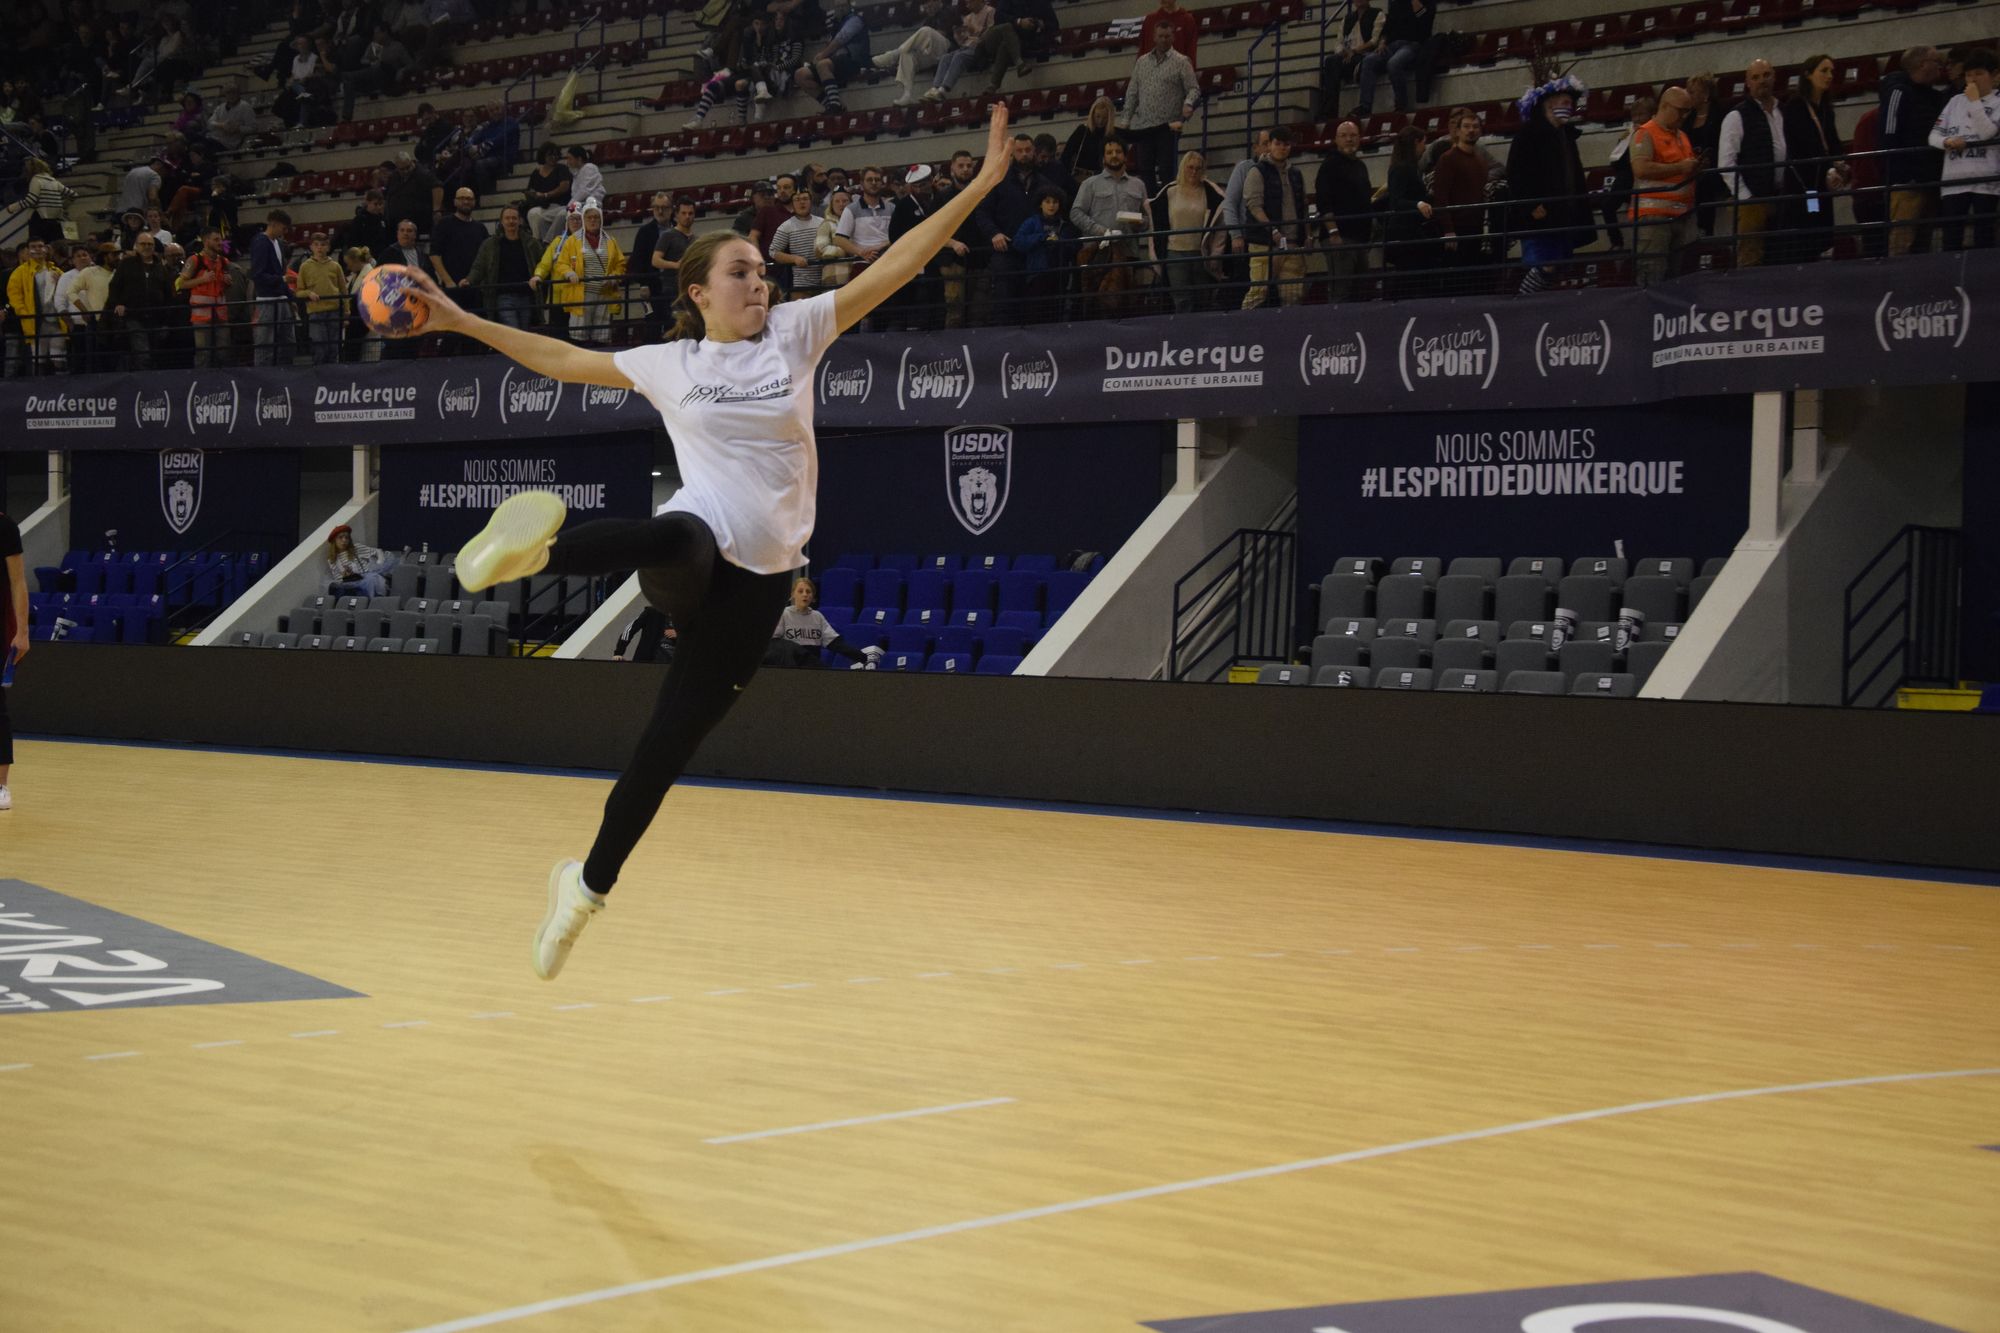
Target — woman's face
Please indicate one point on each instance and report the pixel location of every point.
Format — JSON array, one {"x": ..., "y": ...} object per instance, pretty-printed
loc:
[
  {"x": 734, "y": 301},
  {"x": 344, "y": 542},
  {"x": 802, "y": 596},
  {"x": 1821, "y": 77},
  {"x": 838, "y": 202}
]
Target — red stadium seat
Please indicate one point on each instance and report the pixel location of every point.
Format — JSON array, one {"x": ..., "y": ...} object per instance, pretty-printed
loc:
[
  {"x": 1857, "y": 76},
  {"x": 1594, "y": 34}
]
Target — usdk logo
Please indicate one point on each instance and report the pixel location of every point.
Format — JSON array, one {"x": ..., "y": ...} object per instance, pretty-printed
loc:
[
  {"x": 523, "y": 396},
  {"x": 1466, "y": 353},
  {"x": 458, "y": 399},
  {"x": 978, "y": 472},
  {"x": 180, "y": 487},
  {"x": 846, "y": 384},
  {"x": 274, "y": 407},
  {"x": 1940, "y": 321},
  {"x": 1025, "y": 374},
  {"x": 944, "y": 377},
  {"x": 211, "y": 407},
  {"x": 604, "y": 398},
  {"x": 1335, "y": 358},
  {"x": 152, "y": 409},
  {"x": 1585, "y": 350}
]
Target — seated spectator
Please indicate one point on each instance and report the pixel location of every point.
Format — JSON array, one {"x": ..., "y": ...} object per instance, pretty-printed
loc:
[
  {"x": 548, "y": 193},
  {"x": 1023, "y": 35},
  {"x": 1360, "y": 36},
  {"x": 1346, "y": 212},
  {"x": 1966, "y": 131},
  {"x": 1406, "y": 31},
  {"x": 192, "y": 123},
  {"x": 1551, "y": 210},
  {"x": 973, "y": 23},
  {"x": 490, "y": 150},
  {"x": 932, "y": 41},
  {"x": 354, "y": 570},
  {"x": 1910, "y": 105},
  {"x": 650, "y": 637},
  {"x": 233, "y": 119},
  {"x": 802, "y": 632},
  {"x": 585, "y": 180},
  {"x": 841, "y": 60},
  {"x": 1189, "y": 210},
  {"x": 378, "y": 73}
]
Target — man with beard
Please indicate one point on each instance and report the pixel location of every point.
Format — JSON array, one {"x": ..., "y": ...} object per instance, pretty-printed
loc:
[
  {"x": 1010, "y": 204},
  {"x": 648, "y": 239},
  {"x": 455, "y": 242}
]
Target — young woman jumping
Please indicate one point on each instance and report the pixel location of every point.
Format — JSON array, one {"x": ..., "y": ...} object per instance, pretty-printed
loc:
[{"x": 734, "y": 385}]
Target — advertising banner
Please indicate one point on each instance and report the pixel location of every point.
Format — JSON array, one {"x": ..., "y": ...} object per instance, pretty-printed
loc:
[{"x": 443, "y": 494}]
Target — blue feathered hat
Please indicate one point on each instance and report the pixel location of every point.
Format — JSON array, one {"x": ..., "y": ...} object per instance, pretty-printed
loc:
[{"x": 1531, "y": 99}]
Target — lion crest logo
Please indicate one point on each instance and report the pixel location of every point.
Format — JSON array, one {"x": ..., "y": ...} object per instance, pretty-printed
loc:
[{"x": 978, "y": 469}]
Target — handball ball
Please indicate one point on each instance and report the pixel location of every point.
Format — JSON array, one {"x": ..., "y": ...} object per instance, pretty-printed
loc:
[{"x": 389, "y": 303}]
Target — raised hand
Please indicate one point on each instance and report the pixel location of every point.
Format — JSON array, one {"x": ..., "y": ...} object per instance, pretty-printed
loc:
[
  {"x": 994, "y": 169},
  {"x": 445, "y": 312}
]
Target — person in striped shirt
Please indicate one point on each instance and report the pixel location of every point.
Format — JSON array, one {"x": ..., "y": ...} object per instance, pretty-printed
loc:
[
  {"x": 47, "y": 201},
  {"x": 796, "y": 245}
]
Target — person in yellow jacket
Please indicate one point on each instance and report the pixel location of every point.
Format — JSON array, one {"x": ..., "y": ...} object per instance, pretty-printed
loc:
[
  {"x": 588, "y": 267},
  {"x": 28, "y": 292},
  {"x": 323, "y": 284}
]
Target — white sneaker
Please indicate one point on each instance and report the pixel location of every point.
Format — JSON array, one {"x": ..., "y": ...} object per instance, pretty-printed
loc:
[
  {"x": 763, "y": 91},
  {"x": 570, "y": 908},
  {"x": 514, "y": 542},
  {"x": 907, "y": 99},
  {"x": 692, "y": 123},
  {"x": 934, "y": 95},
  {"x": 6, "y": 799}
]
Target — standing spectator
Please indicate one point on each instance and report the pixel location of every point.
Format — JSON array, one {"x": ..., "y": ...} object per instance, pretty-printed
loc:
[
  {"x": 1360, "y": 36},
  {"x": 548, "y": 193},
  {"x": 141, "y": 290},
  {"x": 35, "y": 329},
  {"x": 1458, "y": 191},
  {"x": 80, "y": 301},
  {"x": 271, "y": 328},
  {"x": 1186, "y": 28},
  {"x": 585, "y": 180},
  {"x": 1159, "y": 97},
  {"x": 1703, "y": 125},
  {"x": 1232, "y": 205},
  {"x": 1000, "y": 215},
  {"x": 455, "y": 241},
  {"x": 1910, "y": 106},
  {"x": 1083, "y": 155},
  {"x": 1346, "y": 212},
  {"x": 972, "y": 251},
  {"x": 843, "y": 57},
  {"x": 204, "y": 280},
  {"x": 1187, "y": 208},
  {"x": 1966, "y": 131},
  {"x": 932, "y": 41},
  {"x": 771, "y": 213},
  {"x": 1753, "y": 158},
  {"x": 1274, "y": 207},
  {"x": 414, "y": 194},
  {"x": 863, "y": 232},
  {"x": 501, "y": 270},
  {"x": 1664, "y": 167},
  {"x": 1812, "y": 138},
  {"x": 588, "y": 267},
  {"x": 323, "y": 284},
  {"x": 1043, "y": 244},
  {"x": 1406, "y": 30},
  {"x": 233, "y": 119},
  {"x": 47, "y": 201},
  {"x": 1110, "y": 213},
  {"x": 796, "y": 247},
  {"x": 1410, "y": 224},
  {"x": 833, "y": 266},
  {"x": 651, "y": 232},
  {"x": 369, "y": 227},
  {"x": 1551, "y": 208},
  {"x": 1616, "y": 201},
  {"x": 140, "y": 189},
  {"x": 668, "y": 249},
  {"x": 926, "y": 292},
  {"x": 364, "y": 343},
  {"x": 405, "y": 249}
]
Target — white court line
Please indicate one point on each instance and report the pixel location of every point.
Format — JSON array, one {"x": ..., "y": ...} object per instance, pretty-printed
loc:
[
  {"x": 1536, "y": 946},
  {"x": 1411, "y": 948},
  {"x": 1267, "y": 955},
  {"x": 862, "y": 981},
  {"x": 931, "y": 976},
  {"x": 325, "y": 1032},
  {"x": 214, "y": 1045},
  {"x": 113, "y": 1055},
  {"x": 650, "y": 999},
  {"x": 9, "y": 1068},
  {"x": 1336, "y": 951},
  {"x": 859, "y": 1120},
  {"x": 1600, "y": 946},
  {"x": 1660, "y": 945},
  {"x": 1151, "y": 1192},
  {"x": 1202, "y": 958},
  {"x": 798, "y": 985},
  {"x": 583, "y": 1004},
  {"x": 1142, "y": 962},
  {"x": 727, "y": 990},
  {"x": 504, "y": 1013},
  {"x": 1469, "y": 948},
  {"x": 1003, "y": 971},
  {"x": 413, "y": 1023},
  {"x": 1065, "y": 967}
]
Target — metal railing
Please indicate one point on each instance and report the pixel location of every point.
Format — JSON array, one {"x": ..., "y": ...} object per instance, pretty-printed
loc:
[
  {"x": 1238, "y": 604},
  {"x": 1902, "y": 618}
]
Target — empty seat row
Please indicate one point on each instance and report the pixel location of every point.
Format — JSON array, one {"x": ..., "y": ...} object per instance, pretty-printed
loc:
[
  {"x": 464, "y": 636},
  {"x": 923, "y": 640},
  {"x": 343, "y": 643},
  {"x": 98, "y": 618},
  {"x": 879, "y": 620},
  {"x": 1533, "y": 589},
  {"x": 1608, "y": 685},
  {"x": 950, "y": 564},
  {"x": 208, "y": 578}
]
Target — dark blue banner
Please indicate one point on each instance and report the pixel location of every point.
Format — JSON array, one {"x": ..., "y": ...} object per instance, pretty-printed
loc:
[
  {"x": 1980, "y": 583},
  {"x": 442, "y": 495},
  {"x": 182, "y": 499}
]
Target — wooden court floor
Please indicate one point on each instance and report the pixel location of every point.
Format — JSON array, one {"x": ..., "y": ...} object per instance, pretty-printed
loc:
[{"x": 1170, "y": 1069}]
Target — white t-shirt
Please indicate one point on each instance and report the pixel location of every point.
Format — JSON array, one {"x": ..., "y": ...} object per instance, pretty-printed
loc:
[
  {"x": 807, "y": 628},
  {"x": 741, "y": 418}
]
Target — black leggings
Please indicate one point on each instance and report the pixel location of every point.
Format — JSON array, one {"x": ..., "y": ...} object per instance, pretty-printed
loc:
[
  {"x": 6, "y": 731},
  {"x": 724, "y": 615}
]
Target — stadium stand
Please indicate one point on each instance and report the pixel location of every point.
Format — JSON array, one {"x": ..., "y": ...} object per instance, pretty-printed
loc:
[{"x": 949, "y": 613}]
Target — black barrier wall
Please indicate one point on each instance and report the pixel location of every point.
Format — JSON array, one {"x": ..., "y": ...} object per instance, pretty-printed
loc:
[
  {"x": 1911, "y": 320},
  {"x": 1915, "y": 788}
]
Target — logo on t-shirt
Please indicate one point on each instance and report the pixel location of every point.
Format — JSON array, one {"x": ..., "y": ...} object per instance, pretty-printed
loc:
[
  {"x": 712, "y": 394},
  {"x": 180, "y": 487},
  {"x": 978, "y": 467}
]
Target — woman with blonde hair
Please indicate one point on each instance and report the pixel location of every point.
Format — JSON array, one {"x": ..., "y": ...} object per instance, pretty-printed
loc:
[
  {"x": 834, "y": 270},
  {"x": 734, "y": 387},
  {"x": 363, "y": 342},
  {"x": 1083, "y": 155},
  {"x": 1186, "y": 208}
]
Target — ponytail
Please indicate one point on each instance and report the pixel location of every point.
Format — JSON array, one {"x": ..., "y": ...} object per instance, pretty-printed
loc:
[
  {"x": 687, "y": 320},
  {"x": 696, "y": 260}
]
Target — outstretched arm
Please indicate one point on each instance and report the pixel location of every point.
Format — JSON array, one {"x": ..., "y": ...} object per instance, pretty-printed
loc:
[
  {"x": 545, "y": 356},
  {"x": 906, "y": 258}
]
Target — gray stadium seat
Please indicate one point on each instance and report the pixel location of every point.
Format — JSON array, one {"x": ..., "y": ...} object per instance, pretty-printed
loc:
[
  {"x": 1605, "y": 685},
  {"x": 1477, "y": 566},
  {"x": 1396, "y": 653},
  {"x": 1417, "y": 678},
  {"x": 1590, "y": 596},
  {"x": 1528, "y": 629},
  {"x": 1403, "y": 597},
  {"x": 1657, "y": 595},
  {"x": 1429, "y": 567},
  {"x": 314, "y": 641},
  {"x": 407, "y": 580},
  {"x": 1698, "y": 590},
  {"x": 1588, "y": 657},
  {"x": 475, "y": 636},
  {"x": 303, "y": 620},
  {"x": 385, "y": 645},
  {"x": 1273, "y": 673},
  {"x": 1713, "y": 566},
  {"x": 420, "y": 605},
  {"x": 1345, "y": 595},
  {"x": 371, "y": 624},
  {"x": 1486, "y": 631},
  {"x": 1642, "y": 657},
  {"x": 1611, "y": 567},
  {"x": 352, "y": 604},
  {"x": 277, "y": 640},
  {"x": 385, "y": 604},
  {"x": 403, "y": 624},
  {"x": 1547, "y": 568},
  {"x": 349, "y": 643},
  {"x": 336, "y": 624},
  {"x": 321, "y": 602},
  {"x": 440, "y": 583},
  {"x": 1351, "y": 678},
  {"x": 452, "y": 606},
  {"x": 1530, "y": 655},
  {"x": 1467, "y": 682},
  {"x": 1369, "y": 566},
  {"x": 1522, "y": 597},
  {"x": 1461, "y": 655},
  {"x": 498, "y": 610},
  {"x": 1461, "y": 597},
  {"x": 1656, "y": 631},
  {"x": 1424, "y": 631},
  {"x": 1532, "y": 682},
  {"x": 1679, "y": 568},
  {"x": 444, "y": 629},
  {"x": 1338, "y": 650},
  {"x": 1351, "y": 627},
  {"x": 245, "y": 638},
  {"x": 420, "y": 645}
]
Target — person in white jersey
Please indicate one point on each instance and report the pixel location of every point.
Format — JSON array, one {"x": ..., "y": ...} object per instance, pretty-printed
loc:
[{"x": 734, "y": 385}]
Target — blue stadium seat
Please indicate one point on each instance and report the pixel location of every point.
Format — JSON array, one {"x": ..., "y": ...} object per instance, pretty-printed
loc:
[
  {"x": 840, "y": 587},
  {"x": 859, "y": 563},
  {"x": 928, "y": 590},
  {"x": 943, "y": 564},
  {"x": 1044, "y": 565},
  {"x": 1065, "y": 586},
  {"x": 909, "y": 639},
  {"x": 959, "y": 638},
  {"x": 840, "y": 617},
  {"x": 878, "y": 617},
  {"x": 996, "y": 664},
  {"x": 882, "y": 587},
  {"x": 1029, "y": 622},
  {"x": 902, "y": 564},
  {"x": 928, "y": 616},
  {"x": 1005, "y": 640},
  {"x": 958, "y": 663},
  {"x": 901, "y": 662},
  {"x": 990, "y": 564},
  {"x": 1021, "y": 591},
  {"x": 972, "y": 590},
  {"x": 975, "y": 620}
]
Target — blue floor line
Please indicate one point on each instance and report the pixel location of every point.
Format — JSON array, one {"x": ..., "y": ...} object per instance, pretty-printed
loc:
[{"x": 1651, "y": 851}]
